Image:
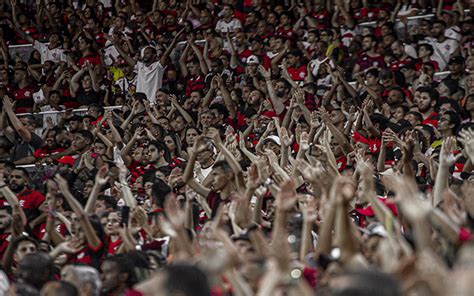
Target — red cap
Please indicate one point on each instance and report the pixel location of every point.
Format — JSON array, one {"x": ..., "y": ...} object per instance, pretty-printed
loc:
[
  {"x": 270, "y": 114},
  {"x": 69, "y": 160}
]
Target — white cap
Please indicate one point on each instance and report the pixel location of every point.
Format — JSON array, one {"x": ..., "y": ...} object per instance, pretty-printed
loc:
[
  {"x": 273, "y": 138},
  {"x": 253, "y": 59}
]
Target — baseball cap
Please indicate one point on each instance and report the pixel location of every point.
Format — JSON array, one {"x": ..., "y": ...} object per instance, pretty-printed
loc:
[
  {"x": 273, "y": 138},
  {"x": 69, "y": 160},
  {"x": 456, "y": 60},
  {"x": 253, "y": 59}
]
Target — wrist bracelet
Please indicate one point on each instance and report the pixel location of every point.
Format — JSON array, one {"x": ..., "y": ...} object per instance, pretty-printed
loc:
[{"x": 3, "y": 186}]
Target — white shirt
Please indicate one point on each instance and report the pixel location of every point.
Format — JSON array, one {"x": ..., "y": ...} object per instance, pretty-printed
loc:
[
  {"x": 56, "y": 54},
  {"x": 222, "y": 26},
  {"x": 149, "y": 79},
  {"x": 443, "y": 51},
  {"x": 55, "y": 117}
]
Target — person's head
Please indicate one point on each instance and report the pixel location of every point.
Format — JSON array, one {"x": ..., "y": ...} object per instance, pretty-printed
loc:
[
  {"x": 149, "y": 54},
  {"x": 85, "y": 278},
  {"x": 182, "y": 279},
  {"x": 19, "y": 179},
  {"x": 85, "y": 44},
  {"x": 117, "y": 274},
  {"x": 74, "y": 123},
  {"x": 456, "y": 65},
  {"x": 82, "y": 140},
  {"x": 36, "y": 269},
  {"x": 22, "y": 246},
  {"x": 425, "y": 50},
  {"x": 427, "y": 99},
  {"x": 112, "y": 225},
  {"x": 190, "y": 135},
  {"x": 282, "y": 88},
  {"x": 369, "y": 42},
  {"x": 207, "y": 118},
  {"x": 178, "y": 124},
  {"x": 217, "y": 66},
  {"x": 171, "y": 142},
  {"x": 372, "y": 77},
  {"x": 272, "y": 143},
  {"x": 206, "y": 157},
  {"x": 414, "y": 118},
  {"x": 95, "y": 110},
  {"x": 438, "y": 28},
  {"x": 20, "y": 75},
  {"x": 205, "y": 16},
  {"x": 449, "y": 123},
  {"x": 448, "y": 104},
  {"x": 6, "y": 167},
  {"x": 397, "y": 49},
  {"x": 59, "y": 288},
  {"x": 400, "y": 112},
  {"x": 193, "y": 67},
  {"x": 396, "y": 96},
  {"x": 157, "y": 151},
  {"x": 227, "y": 10},
  {"x": 5, "y": 217}
]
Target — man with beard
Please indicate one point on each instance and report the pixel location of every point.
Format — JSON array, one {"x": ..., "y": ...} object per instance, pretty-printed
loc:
[
  {"x": 401, "y": 57},
  {"x": 444, "y": 48},
  {"x": 117, "y": 275},
  {"x": 426, "y": 101},
  {"x": 369, "y": 57},
  {"x": 30, "y": 200}
]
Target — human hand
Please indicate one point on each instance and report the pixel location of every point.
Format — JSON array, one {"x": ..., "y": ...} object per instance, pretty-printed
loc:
[
  {"x": 466, "y": 137},
  {"x": 304, "y": 141},
  {"x": 8, "y": 103},
  {"x": 446, "y": 156},
  {"x": 286, "y": 198},
  {"x": 101, "y": 178},
  {"x": 214, "y": 135},
  {"x": 267, "y": 74},
  {"x": 62, "y": 184},
  {"x": 286, "y": 139}
]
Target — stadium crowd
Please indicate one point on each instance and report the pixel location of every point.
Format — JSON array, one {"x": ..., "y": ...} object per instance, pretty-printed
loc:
[{"x": 246, "y": 147}]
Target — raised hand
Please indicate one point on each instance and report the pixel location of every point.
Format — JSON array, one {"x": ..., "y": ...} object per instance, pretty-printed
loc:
[
  {"x": 466, "y": 137},
  {"x": 446, "y": 156},
  {"x": 102, "y": 175},
  {"x": 286, "y": 139},
  {"x": 267, "y": 74},
  {"x": 286, "y": 198}
]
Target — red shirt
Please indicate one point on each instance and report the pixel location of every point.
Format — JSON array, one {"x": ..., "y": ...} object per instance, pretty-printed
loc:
[
  {"x": 365, "y": 61},
  {"x": 24, "y": 99},
  {"x": 5, "y": 239},
  {"x": 112, "y": 247},
  {"x": 194, "y": 83},
  {"x": 93, "y": 58},
  {"x": 298, "y": 74},
  {"x": 30, "y": 199},
  {"x": 88, "y": 256}
]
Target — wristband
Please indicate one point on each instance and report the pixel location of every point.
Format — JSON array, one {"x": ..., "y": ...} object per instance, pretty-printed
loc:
[{"x": 3, "y": 186}]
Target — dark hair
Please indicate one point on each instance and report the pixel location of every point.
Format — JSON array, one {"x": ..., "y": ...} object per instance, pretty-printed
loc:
[
  {"x": 23, "y": 238},
  {"x": 86, "y": 134},
  {"x": 222, "y": 164},
  {"x": 160, "y": 190},
  {"x": 432, "y": 93},
  {"x": 125, "y": 265},
  {"x": 161, "y": 146},
  {"x": 439, "y": 21},
  {"x": 8, "y": 164},
  {"x": 418, "y": 115},
  {"x": 109, "y": 201},
  {"x": 221, "y": 109},
  {"x": 451, "y": 102},
  {"x": 372, "y": 37},
  {"x": 187, "y": 280},
  {"x": 36, "y": 269},
  {"x": 453, "y": 119},
  {"x": 428, "y": 47},
  {"x": 24, "y": 171},
  {"x": 452, "y": 85}
]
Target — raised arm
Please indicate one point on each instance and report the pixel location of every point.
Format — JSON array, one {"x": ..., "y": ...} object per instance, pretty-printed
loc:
[
  {"x": 91, "y": 236},
  {"x": 24, "y": 133},
  {"x": 101, "y": 179},
  {"x": 170, "y": 48},
  {"x": 74, "y": 85},
  {"x": 188, "y": 177},
  {"x": 277, "y": 104}
]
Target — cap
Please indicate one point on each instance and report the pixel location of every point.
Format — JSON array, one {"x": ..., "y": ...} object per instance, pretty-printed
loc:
[
  {"x": 273, "y": 138},
  {"x": 253, "y": 59},
  {"x": 69, "y": 160},
  {"x": 369, "y": 211},
  {"x": 270, "y": 114},
  {"x": 456, "y": 60}
]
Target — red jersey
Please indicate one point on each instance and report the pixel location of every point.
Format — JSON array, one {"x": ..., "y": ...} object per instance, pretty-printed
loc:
[
  {"x": 24, "y": 99},
  {"x": 365, "y": 61},
  {"x": 299, "y": 73},
  {"x": 112, "y": 247},
  {"x": 30, "y": 199}
]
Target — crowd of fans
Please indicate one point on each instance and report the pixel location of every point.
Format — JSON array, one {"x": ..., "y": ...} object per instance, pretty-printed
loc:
[{"x": 249, "y": 147}]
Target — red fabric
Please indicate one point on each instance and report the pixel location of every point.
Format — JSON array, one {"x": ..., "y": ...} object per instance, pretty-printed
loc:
[
  {"x": 464, "y": 235},
  {"x": 30, "y": 199},
  {"x": 298, "y": 74},
  {"x": 24, "y": 99}
]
